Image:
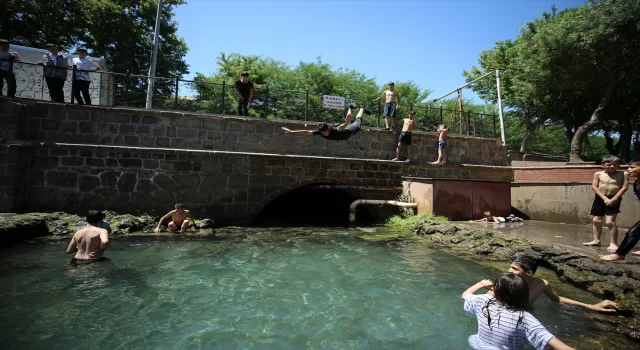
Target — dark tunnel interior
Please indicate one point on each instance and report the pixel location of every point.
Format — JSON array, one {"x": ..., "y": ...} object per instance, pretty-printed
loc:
[{"x": 309, "y": 206}]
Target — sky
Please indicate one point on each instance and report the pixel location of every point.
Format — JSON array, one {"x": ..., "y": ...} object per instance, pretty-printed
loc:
[{"x": 427, "y": 41}]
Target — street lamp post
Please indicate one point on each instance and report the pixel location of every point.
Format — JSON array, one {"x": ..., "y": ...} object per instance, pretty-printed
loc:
[{"x": 154, "y": 56}]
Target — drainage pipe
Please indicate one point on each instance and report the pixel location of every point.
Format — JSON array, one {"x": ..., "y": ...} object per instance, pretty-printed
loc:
[{"x": 354, "y": 205}]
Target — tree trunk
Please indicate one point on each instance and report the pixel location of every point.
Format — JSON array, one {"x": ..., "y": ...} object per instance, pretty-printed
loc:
[
  {"x": 609, "y": 142},
  {"x": 531, "y": 128},
  {"x": 624, "y": 142},
  {"x": 584, "y": 129}
]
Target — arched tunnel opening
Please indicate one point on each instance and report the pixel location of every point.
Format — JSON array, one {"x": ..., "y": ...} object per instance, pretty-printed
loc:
[{"x": 319, "y": 206}]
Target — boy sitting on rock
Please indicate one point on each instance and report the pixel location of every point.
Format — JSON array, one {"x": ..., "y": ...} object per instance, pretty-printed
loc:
[{"x": 179, "y": 219}]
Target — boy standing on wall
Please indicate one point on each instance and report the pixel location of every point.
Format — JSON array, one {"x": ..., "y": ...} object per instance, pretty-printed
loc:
[
  {"x": 390, "y": 106},
  {"x": 405, "y": 136},
  {"x": 609, "y": 186},
  {"x": 244, "y": 91},
  {"x": 442, "y": 143}
]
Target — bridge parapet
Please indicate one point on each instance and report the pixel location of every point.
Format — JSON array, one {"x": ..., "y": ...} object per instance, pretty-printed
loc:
[{"x": 57, "y": 123}]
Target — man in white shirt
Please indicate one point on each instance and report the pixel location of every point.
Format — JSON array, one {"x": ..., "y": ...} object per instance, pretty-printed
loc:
[
  {"x": 7, "y": 58},
  {"x": 82, "y": 79}
]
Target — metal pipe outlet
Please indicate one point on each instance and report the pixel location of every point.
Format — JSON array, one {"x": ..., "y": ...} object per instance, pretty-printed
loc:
[{"x": 354, "y": 205}]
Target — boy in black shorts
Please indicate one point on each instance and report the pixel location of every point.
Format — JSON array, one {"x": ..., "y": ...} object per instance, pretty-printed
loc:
[
  {"x": 338, "y": 132},
  {"x": 405, "y": 136},
  {"x": 609, "y": 185}
]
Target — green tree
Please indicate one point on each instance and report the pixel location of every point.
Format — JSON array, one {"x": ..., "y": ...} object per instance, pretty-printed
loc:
[
  {"x": 119, "y": 30},
  {"x": 574, "y": 68}
]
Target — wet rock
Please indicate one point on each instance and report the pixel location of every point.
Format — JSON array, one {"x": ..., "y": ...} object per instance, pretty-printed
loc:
[
  {"x": 603, "y": 279},
  {"x": 205, "y": 223},
  {"x": 23, "y": 227},
  {"x": 599, "y": 268}
]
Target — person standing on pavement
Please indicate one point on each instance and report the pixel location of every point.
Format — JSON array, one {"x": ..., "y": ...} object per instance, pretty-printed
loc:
[
  {"x": 7, "y": 57},
  {"x": 56, "y": 69},
  {"x": 82, "y": 79}
]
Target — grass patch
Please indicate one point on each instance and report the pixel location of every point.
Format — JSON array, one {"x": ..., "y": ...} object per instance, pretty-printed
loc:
[{"x": 410, "y": 222}]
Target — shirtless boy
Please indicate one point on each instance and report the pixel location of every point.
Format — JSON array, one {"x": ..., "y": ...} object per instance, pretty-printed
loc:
[
  {"x": 633, "y": 235},
  {"x": 90, "y": 242},
  {"x": 442, "y": 143},
  {"x": 391, "y": 96},
  {"x": 609, "y": 186},
  {"x": 525, "y": 266},
  {"x": 492, "y": 219},
  {"x": 337, "y": 132},
  {"x": 179, "y": 219},
  {"x": 405, "y": 136}
]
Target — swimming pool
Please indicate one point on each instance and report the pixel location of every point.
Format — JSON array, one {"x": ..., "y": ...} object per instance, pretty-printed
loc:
[{"x": 277, "y": 288}]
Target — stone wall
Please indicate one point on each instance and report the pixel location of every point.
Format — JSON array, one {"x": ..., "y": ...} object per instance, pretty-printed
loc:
[
  {"x": 56, "y": 123},
  {"x": 563, "y": 194},
  {"x": 231, "y": 187}
]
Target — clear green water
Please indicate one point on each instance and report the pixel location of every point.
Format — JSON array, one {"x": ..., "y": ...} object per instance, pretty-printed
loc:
[{"x": 252, "y": 289}]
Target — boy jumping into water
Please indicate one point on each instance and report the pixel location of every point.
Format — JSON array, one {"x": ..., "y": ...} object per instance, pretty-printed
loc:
[
  {"x": 609, "y": 186},
  {"x": 179, "y": 219},
  {"x": 91, "y": 241},
  {"x": 633, "y": 235},
  {"x": 337, "y": 132},
  {"x": 390, "y": 107},
  {"x": 503, "y": 322},
  {"x": 405, "y": 136},
  {"x": 442, "y": 143},
  {"x": 525, "y": 267}
]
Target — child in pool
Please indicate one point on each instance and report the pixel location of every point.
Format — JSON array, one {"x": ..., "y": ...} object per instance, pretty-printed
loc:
[
  {"x": 503, "y": 322},
  {"x": 179, "y": 219}
]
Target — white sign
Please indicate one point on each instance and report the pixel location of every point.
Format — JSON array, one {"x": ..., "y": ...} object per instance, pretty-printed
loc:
[{"x": 333, "y": 102}]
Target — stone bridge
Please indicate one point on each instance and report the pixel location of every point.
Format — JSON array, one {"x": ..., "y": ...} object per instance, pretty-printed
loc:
[{"x": 69, "y": 157}]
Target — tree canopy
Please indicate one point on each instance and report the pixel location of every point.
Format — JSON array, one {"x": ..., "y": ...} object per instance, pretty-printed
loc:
[
  {"x": 120, "y": 30},
  {"x": 575, "y": 68}
]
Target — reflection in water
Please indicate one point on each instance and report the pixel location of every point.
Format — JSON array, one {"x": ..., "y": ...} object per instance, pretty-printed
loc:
[{"x": 249, "y": 288}]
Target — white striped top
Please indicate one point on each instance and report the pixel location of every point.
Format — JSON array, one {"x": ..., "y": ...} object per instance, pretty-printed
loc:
[{"x": 509, "y": 329}]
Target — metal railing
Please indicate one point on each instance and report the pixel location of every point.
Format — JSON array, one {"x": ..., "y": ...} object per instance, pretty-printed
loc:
[{"x": 130, "y": 90}]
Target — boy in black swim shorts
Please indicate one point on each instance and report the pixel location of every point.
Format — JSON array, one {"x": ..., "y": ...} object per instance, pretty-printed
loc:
[
  {"x": 405, "y": 136},
  {"x": 609, "y": 185}
]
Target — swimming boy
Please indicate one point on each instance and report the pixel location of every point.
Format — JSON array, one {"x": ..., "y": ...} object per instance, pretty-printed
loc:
[
  {"x": 337, "y": 132},
  {"x": 90, "y": 242},
  {"x": 442, "y": 143},
  {"x": 489, "y": 218},
  {"x": 633, "y": 235},
  {"x": 391, "y": 96},
  {"x": 405, "y": 136},
  {"x": 503, "y": 322},
  {"x": 179, "y": 219},
  {"x": 609, "y": 186},
  {"x": 525, "y": 266}
]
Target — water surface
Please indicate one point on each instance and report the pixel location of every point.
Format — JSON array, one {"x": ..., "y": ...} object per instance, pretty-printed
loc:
[{"x": 252, "y": 289}]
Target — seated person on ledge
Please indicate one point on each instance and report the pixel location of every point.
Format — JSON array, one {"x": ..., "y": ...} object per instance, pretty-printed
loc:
[
  {"x": 492, "y": 219},
  {"x": 337, "y": 132},
  {"x": 526, "y": 266},
  {"x": 91, "y": 241},
  {"x": 179, "y": 220}
]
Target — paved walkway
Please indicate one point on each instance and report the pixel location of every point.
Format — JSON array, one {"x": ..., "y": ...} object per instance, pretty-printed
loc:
[{"x": 567, "y": 236}]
